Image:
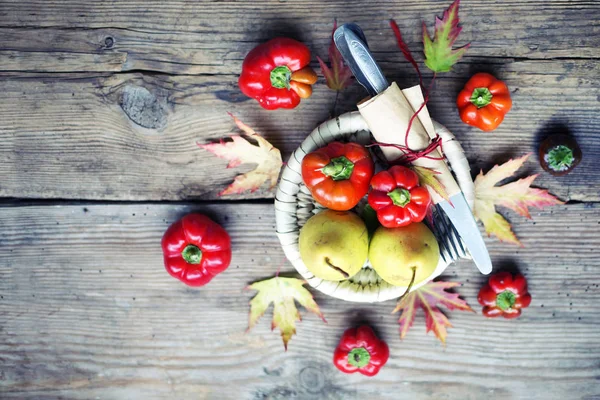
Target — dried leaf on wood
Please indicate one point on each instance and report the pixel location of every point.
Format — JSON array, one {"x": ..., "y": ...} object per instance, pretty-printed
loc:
[
  {"x": 339, "y": 76},
  {"x": 517, "y": 196},
  {"x": 282, "y": 292},
  {"x": 240, "y": 151},
  {"x": 439, "y": 55},
  {"x": 428, "y": 297}
]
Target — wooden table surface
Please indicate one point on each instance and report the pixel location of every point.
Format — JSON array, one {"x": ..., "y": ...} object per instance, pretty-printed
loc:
[{"x": 87, "y": 310}]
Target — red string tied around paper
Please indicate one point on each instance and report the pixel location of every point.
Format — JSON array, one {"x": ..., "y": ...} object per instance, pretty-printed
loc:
[{"x": 411, "y": 155}]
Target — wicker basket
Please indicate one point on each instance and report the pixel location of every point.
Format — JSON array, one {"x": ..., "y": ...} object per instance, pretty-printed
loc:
[{"x": 294, "y": 205}]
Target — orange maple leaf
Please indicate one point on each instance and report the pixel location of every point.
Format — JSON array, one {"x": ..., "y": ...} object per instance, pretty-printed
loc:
[{"x": 428, "y": 297}]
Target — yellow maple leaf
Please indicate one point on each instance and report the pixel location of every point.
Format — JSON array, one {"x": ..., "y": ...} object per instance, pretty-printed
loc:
[
  {"x": 427, "y": 177},
  {"x": 241, "y": 151},
  {"x": 282, "y": 292},
  {"x": 517, "y": 196}
]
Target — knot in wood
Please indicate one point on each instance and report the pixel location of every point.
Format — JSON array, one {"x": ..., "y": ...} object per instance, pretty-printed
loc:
[
  {"x": 312, "y": 379},
  {"x": 143, "y": 107},
  {"x": 109, "y": 42}
]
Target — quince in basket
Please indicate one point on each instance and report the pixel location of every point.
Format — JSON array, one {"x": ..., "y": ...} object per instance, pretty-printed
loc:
[
  {"x": 334, "y": 244},
  {"x": 405, "y": 254}
]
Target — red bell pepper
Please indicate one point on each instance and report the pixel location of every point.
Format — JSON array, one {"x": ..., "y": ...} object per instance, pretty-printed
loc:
[
  {"x": 338, "y": 174},
  {"x": 360, "y": 350},
  {"x": 504, "y": 295},
  {"x": 484, "y": 101},
  {"x": 276, "y": 73},
  {"x": 397, "y": 197},
  {"x": 196, "y": 249}
]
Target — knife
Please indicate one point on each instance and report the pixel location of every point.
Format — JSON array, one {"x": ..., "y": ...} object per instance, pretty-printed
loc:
[{"x": 351, "y": 42}]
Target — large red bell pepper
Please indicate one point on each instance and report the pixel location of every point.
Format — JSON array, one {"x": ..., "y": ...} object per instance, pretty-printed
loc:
[
  {"x": 338, "y": 174},
  {"x": 397, "y": 197},
  {"x": 276, "y": 73},
  {"x": 196, "y": 249},
  {"x": 360, "y": 350}
]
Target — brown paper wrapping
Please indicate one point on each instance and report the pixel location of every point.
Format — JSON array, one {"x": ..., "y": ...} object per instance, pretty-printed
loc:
[
  {"x": 414, "y": 96},
  {"x": 387, "y": 116}
]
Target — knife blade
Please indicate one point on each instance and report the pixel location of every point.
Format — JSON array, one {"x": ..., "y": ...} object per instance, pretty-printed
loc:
[
  {"x": 352, "y": 45},
  {"x": 462, "y": 218}
]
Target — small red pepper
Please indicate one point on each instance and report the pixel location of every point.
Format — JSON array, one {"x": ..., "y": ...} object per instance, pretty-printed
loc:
[
  {"x": 338, "y": 174},
  {"x": 504, "y": 295},
  {"x": 276, "y": 73},
  {"x": 397, "y": 197},
  {"x": 196, "y": 249},
  {"x": 484, "y": 101},
  {"x": 360, "y": 350}
]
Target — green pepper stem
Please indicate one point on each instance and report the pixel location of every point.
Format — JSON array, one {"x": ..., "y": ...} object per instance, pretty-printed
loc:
[
  {"x": 506, "y": 300},
  {"x": 560, "y": 158},
  {"x": 281, "y": 77},
  {"x": 192, "y": 254},
  {"x": 400, "y": 197},
  {"x": 339, "y": 168},
  {"x": 481, "y": 97},
  {"x": 359, "y": 357}
]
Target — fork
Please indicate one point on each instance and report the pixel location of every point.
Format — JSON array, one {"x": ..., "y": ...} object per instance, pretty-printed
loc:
[{"x": 451, "y": 246}]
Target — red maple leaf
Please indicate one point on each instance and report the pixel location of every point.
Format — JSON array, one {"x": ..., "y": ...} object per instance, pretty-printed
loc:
[{"x": 339, "y": 76}]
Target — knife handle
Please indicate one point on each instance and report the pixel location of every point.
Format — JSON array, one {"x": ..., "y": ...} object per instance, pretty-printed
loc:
[
  {"x": 387, "y": 115},
  {"x": 352, "y": 45}
]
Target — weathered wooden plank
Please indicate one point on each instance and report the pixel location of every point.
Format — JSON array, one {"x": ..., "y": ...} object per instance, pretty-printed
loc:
[
  {"x": 86, "y": 310},
  {"x": 58, "y": 131},
  {"x": 213, "y": 37}
]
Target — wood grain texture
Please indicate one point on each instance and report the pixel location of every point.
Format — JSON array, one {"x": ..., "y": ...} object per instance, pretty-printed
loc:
[
  {"x": 106, "y": 100},
  {"x": 87, "y": 310},
  {"x": 208, "y": 37},
  {"x": 59, "y": 130}
]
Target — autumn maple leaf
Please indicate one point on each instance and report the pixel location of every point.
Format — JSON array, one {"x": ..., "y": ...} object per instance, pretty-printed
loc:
[
  {"x": 406, "y": 50},
  {"x": 282, "y": 292},
  {"x": 428, "y": 297},
  {"x": 240, "y": 151},
  {"x": 439, "y": 55},
  {"x": 339, "y": 76},
  {"x": 427, "y": 177},
  {"x": 517, "y": 196}
]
